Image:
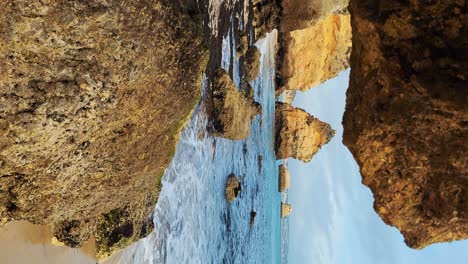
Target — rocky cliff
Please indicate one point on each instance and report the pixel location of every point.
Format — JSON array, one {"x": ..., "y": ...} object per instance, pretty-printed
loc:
[
  {"x": 298, "y": 134},
  {"x": 406, "y": 119},
  {"x": 93, "y": 94},
  {"x": 315, "y": 54}
]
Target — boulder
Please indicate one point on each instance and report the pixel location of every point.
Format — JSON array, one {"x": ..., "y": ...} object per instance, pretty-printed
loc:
[
  {"x": 284, "y": 179},
  {"x": 233, "y": 188},
  {"x": 232, "y": 111},
  {"x": 406, "y": 114},
  {"x": 298, "y": 134}
]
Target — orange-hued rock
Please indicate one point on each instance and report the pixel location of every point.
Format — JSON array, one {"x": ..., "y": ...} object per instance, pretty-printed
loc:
[
  {"x": 315, "y": 54},
  {"x": 298, "y": 134},
  {"x": 301, "y": 14},
  {"x": 406, "y": 119},
  {"x": 286, "y": 210},
  {"x": 284, "y": 179}
]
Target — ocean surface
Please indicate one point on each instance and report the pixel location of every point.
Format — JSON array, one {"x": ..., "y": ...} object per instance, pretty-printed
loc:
[{"x": 193, "y": 221}]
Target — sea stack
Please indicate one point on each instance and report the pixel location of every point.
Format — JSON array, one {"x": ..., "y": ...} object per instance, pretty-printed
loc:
[
  {"x": 232, "y": 111},
  {"x": 298, "y": 134},
  {"x": 284, "y": 180},
  {"x": 286, "y": 210}
]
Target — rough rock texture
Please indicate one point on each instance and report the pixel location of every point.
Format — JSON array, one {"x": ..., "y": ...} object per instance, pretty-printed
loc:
[
  {"x": 233, "y": 188},
  {"x": 93, "y": 94},
  {"x": 251, "y": 66},
  {"x": 267, "y": 15},
  {"x": 406, "y": 119},
  {"x": 301, "y": 14},
  {"x": 298, "y": 134},
  {"x": 284, "y": 179},
  {"x": 232, "y": 111},
  {"x": 315, "y": 54}
]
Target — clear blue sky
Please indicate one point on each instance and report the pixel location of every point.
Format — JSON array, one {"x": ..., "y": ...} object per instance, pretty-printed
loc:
[{"x": 333, "y": 219}]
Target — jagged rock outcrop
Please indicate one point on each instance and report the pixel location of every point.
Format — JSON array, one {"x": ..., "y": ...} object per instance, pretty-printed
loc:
[
  {"x": 406, "y": 119},
  {"x": 298, "y": 134},
  {"x": 232, "y": 110},
  {"x": 92, "y": 96},
  {"x": 315, "y": 54},
  {"x": 284, "y": 179},
  {"x": 286, "y": 210},
  {"x": 233, "y": 188}
]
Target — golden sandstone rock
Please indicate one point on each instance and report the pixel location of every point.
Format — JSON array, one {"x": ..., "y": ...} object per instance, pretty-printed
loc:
[
  {"x": 298, "y": 134},
  {"x": 284, "y": 179},
  {"x": 315, "y": 54}
]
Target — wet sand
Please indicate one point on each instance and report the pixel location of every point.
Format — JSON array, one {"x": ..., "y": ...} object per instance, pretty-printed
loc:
[{"x": 23, "y": 243}]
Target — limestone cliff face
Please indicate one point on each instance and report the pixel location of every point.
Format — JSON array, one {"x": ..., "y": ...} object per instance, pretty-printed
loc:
[
  {"x": 301, "y": 14},
  {"x": 92, "y": 96},
  {"x": 406, "y": 119},
  {"x": 232, "y": 110},
  {"x": 315, "y": 54},
  {"x": 298, "y": 134}
]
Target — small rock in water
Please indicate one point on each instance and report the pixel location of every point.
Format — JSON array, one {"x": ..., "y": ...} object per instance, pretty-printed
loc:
[
  {"x": 253, "y": 214},
  {"x": 233, "y": 188},
  {"x": 260, "y": 163}
]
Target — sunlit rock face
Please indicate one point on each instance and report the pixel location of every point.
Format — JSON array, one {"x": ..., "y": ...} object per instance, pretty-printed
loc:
[
  {"x": 298, "y": 134},
  {"x": 315, "y": 54},
  {"x": 301, "y": 14},
  {"x": 92, "y": 97},
  {"x": 406, "y": 114}
]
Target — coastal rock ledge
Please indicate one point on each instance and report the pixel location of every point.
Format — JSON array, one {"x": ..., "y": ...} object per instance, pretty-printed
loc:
[
  {"x": 406, "y": 118},
  {"x": 298, "y": 134}
]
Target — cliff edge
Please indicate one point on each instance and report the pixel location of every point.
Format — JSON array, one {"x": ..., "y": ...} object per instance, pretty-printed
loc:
[{"x": 406, "y": 118}]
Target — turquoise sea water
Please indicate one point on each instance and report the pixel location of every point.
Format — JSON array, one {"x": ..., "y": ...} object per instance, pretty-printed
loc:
[{"x": 193, "y": 221}]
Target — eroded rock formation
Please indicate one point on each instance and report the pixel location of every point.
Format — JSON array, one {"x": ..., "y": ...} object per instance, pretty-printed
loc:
[
  {"x": 406, "y": 119},
  {"x": 298, "y": 134},
  {"x": 92, "y": 96},
  {"x": 301, "y": 14},
  {"x": 232, "y": 110},
  {"x": 312, "y": 55}
]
